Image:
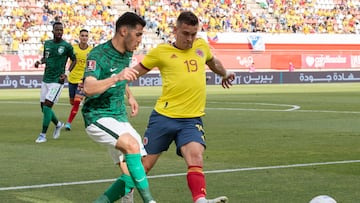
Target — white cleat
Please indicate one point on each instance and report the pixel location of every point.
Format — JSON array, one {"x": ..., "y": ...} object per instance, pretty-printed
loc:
[
  {"x": 221, "y": 199},
  {"x": 57, "y": 130},
  {"x": 41, "y": 139},
  {"x": 128, "y": 198}
]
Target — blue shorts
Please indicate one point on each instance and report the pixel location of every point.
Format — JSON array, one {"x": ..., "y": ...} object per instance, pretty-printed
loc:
[
  {"x": 74, "y": 89},
  {"x": 162, "y": 131}
]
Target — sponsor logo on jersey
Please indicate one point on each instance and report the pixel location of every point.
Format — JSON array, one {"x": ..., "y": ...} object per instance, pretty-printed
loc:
[{"x": 145, "y": 140}]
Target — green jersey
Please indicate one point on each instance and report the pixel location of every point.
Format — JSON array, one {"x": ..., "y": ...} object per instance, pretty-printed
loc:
[
  {"x": 56, "y": 55},
  {"x": 105, "y": 61}
]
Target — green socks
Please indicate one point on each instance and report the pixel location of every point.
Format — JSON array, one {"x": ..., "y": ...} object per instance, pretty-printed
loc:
[
  {"x": 47, "y": 111},
  {"x": 53, "y": 118},
  {"x": 102, "y": 199},
  {"x": 118, "y": 189},
  {"x": 49, "y": 116},
  {"x": 125, "y": 183},
  {"x": 138, "y": 174},
  {"x": 129, "y": 183}
]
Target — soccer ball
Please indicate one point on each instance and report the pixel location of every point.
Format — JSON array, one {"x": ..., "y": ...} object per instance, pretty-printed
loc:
[{"x": 322, "y": 199}]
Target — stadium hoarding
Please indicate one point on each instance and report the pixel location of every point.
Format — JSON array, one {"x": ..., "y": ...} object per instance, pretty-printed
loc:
[
  {"x": 19, "y": 63},
  {"x": 242, "y": 78},
  {"x": 232, "y": 59},
  {"x": 267, "y": 51}
]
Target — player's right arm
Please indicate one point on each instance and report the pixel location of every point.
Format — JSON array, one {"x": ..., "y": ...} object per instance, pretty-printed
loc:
[
  {"x": 93, "y": 86},
  {"x": 42, "y": 60},
  {"x": 140, "y": 69},
  {"x": 134, "y": 106}
]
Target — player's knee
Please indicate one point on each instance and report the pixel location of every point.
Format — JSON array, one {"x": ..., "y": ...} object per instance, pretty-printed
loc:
[
  {"x": 148, "y": 162},
  {"x": 147, "y": 168},
  {"x": 48, "y": 103},
  {"x": 128, "y": 144}
]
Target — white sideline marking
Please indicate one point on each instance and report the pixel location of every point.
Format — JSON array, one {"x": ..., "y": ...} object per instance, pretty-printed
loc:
[
  {"x": 292, "y": 107},
  {"x": 182, "y": 174}
]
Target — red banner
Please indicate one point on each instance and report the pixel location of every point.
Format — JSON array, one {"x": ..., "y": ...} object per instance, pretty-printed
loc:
[
  {"x": 325, "y": 61},
  {"x": 19, "y": 63},
  {"x": 231, "y": 59}
]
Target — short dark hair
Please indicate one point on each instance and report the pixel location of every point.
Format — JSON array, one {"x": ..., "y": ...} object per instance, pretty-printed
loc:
[
  {"x": 84, "y": 30},
  {"x": 129, "y": 19},
  {"x": 57, "y": 23},
  {"x": 188, "y": 18}
]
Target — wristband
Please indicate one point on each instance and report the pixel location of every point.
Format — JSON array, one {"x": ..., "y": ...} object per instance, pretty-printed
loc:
[{"x": 227, "y": 74}]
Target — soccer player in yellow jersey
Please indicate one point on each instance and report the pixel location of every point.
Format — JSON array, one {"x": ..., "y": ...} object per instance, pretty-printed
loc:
[
  {"x": 178, "y": 111},
  {"x": 76, "y": 95}
]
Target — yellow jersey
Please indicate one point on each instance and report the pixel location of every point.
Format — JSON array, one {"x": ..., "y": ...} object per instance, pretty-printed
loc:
[
  {"x": 77, "y": 72},
  {"x": 183, "y": 74}
]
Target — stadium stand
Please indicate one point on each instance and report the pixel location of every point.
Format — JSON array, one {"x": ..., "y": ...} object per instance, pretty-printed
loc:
[
  {"x": 27, "y": 23},
  {"x": 276, "y": 16}
]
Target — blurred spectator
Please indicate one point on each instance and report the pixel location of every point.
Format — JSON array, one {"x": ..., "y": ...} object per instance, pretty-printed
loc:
[{"x": 30, "y": 21}]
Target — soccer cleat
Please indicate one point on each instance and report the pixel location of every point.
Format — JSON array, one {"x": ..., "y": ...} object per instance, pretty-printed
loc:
[
  {"x": 128, "y": 198},
  {"x": 41, "y": 139},
  {"x": 57, "y": 130},
  {"x": 67, "y": 126},
  {"x": 221, "y": 199}
]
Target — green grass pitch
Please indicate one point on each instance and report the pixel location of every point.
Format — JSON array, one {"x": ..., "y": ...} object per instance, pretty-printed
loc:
[{"x": 265, "y": 144}]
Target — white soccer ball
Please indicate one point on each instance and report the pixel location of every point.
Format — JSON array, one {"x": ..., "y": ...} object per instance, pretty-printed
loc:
[{"x": 322, "y": 199}]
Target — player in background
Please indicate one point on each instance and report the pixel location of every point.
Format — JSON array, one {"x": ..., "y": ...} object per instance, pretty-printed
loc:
[
  {"x": 55, "y": 56},
  {"x": 104, "y": 110},
  {"x": 178, "y": 111},
  {"x": 76, "y": 74}
]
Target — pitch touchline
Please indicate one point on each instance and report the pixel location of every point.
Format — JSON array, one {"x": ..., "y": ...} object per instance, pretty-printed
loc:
[{"x": 182, "y": 174}]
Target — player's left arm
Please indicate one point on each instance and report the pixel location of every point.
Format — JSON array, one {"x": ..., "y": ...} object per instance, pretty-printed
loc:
[
  {"x": 134, "y": 106},
  {"x": 217, "y": 67}
]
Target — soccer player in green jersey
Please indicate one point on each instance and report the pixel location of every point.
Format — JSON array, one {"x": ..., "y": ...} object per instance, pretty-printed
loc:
[
  {"x": 55, "y": 56},
  {"x": 178, "y": 111},
  {"x": 76, "y": 74},
  {"x": 104, "y": 110}
]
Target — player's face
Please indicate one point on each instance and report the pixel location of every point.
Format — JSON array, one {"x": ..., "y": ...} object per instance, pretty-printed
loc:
[
  {"x": 84, "y": 37},
  {"x": 58, "y": 31},
  {"x": 185, "y": 35},
  {"x": 133, "y": 38}
]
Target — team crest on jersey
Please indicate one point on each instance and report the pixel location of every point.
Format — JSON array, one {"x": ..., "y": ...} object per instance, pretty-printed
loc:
[
  {"x": 61, "y": 49},
  {"x": 199, "y": 52},
  {"x": 145, "y": 140},
  {"x": 91, "y": 65}
]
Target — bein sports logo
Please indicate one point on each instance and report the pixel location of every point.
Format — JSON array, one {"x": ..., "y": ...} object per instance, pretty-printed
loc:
[{"x": 323, "y": 61}]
